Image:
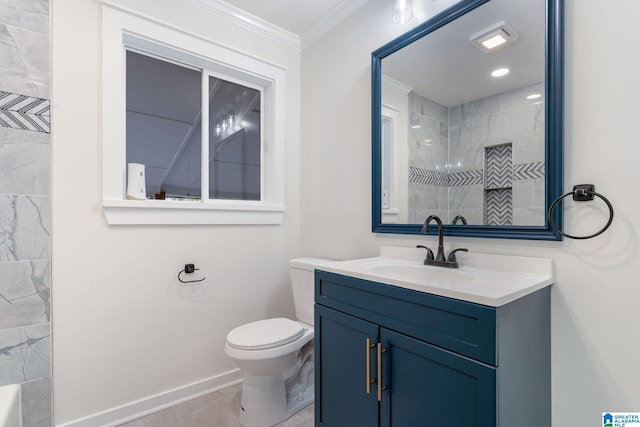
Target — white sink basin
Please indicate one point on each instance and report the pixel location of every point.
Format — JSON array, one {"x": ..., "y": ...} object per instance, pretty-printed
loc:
[{"x": 487, "y": 279}]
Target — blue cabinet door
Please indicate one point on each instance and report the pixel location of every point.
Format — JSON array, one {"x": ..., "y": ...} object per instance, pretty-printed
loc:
[
  {"x": 340, "y": 370},
  {"x": 429, "y": 386}
]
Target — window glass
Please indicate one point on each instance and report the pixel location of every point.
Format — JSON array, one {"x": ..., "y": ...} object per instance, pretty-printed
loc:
[
  {"x": 164, "y": 131},
  {"x": 163, "y": 125},
  {"x": 234, "y": 141}
]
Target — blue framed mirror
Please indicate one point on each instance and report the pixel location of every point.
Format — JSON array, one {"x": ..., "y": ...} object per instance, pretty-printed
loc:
[{"x": 482, "y": 152}]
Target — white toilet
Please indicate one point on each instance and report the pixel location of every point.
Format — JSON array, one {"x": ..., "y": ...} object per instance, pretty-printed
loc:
[{"x": 276, "y": 355}]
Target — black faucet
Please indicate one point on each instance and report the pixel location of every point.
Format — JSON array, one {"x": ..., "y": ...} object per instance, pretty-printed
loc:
[
  {"x": 439, "y": 260},
  {"x": 460, "y": 218},
  {"x": 425, "y": 230}
]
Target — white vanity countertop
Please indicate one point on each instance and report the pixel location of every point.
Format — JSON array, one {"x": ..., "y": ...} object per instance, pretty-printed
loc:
[{"x": 487, "y": 279}]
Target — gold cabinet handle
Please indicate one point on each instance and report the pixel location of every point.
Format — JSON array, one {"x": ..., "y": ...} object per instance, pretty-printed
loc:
[
  {"x": 369, "y": 380},
  {"x": 380, "y": 386}
]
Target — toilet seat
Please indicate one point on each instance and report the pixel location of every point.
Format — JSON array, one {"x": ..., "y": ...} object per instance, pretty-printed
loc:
[{"x": 265, "y": 334}]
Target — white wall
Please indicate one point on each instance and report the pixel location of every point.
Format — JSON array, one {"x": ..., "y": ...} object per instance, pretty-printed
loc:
[
  {"x": 595, "y": 301},
  {"x": 124, "y": 328}
]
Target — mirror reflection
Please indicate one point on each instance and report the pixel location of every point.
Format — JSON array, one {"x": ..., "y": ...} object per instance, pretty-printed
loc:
[{"x": 463, "y": 120}]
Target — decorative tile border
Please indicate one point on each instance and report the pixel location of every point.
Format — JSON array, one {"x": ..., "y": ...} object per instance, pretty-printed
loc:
[
  {"x": 458, "y": 179},
  {"x": 528, "y": 171},
  {"x": 430, "y": 177},
  {"x": 24, "y": 112}
]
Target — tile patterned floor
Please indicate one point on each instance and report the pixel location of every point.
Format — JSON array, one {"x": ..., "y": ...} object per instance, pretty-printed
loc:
[{"x": 218, "y": 409}]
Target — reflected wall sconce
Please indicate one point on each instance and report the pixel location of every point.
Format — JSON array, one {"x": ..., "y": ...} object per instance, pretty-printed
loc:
[
  {"x": 227, "y": 123},
  {"x": 402, "y": 11}
]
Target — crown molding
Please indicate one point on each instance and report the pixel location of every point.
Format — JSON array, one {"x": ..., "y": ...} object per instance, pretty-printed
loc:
[
  {"x": 395, "y": 84},
  {"x": 251, "y": 22},
  {"x": 326, "y": 24}
]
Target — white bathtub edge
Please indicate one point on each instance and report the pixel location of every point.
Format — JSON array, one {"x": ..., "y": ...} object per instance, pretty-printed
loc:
[{"x": 11, "y": 406}]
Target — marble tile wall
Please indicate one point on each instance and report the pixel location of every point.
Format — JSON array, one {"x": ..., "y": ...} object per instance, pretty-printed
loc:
[
  {"x": 428, "y": 146},
  {"x": 469, "y": 128},
  {"x": 24, "y": 47},
  {"x": 25, "y": 208}
]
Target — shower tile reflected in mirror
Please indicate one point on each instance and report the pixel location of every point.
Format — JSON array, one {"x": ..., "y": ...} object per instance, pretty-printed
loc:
[
  {"x": 448, "y": 169},
  {"x": 498, "y": 179}
]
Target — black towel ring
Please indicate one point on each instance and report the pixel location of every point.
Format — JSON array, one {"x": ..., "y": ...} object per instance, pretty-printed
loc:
[{"x": 581, "y": 193}]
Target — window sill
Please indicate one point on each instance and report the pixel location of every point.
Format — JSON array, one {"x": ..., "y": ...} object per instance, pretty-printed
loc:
[
  {"x": 166, "y": 212},
  {"x": 390, "y": 215}
]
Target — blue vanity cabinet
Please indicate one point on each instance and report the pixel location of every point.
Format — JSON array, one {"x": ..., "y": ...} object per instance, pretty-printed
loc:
[
  {"x": 341, "y": 397},
  {"x": 441, "y": 361},
  {"x": 427, "y": 385}
]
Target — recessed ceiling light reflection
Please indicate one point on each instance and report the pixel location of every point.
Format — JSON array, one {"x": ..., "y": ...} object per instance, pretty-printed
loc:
[
  {"x": 494, "y": 41},
  {"x": 415, "y": 126},
  {"x": 534, "y": 96},
  {"x": 500, "y": 72}
]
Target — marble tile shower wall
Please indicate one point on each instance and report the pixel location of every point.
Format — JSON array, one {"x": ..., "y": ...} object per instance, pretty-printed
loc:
[
  {"x": 503, "y": 118},
  {"x": 25, "y": 208},
  {"x": 428, "y": 150}
]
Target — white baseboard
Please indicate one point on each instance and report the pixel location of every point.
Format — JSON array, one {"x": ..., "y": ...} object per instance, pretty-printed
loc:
[{"x": 140, "y": 408}]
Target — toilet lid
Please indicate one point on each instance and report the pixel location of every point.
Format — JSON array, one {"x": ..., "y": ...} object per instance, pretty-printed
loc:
[{"x": 265, "y": 334}]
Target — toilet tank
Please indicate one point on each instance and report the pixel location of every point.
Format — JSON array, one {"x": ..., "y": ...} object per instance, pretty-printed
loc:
[{"x": 302, "y": 284}]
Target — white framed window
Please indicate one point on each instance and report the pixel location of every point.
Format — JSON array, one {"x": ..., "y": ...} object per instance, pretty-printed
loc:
[
  {"x": 395, "y": 178},
  {"x": 206, "y": 122}
]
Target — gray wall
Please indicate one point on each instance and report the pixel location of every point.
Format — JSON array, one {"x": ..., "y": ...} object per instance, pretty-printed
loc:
[{"x": 25, "y": 208}]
